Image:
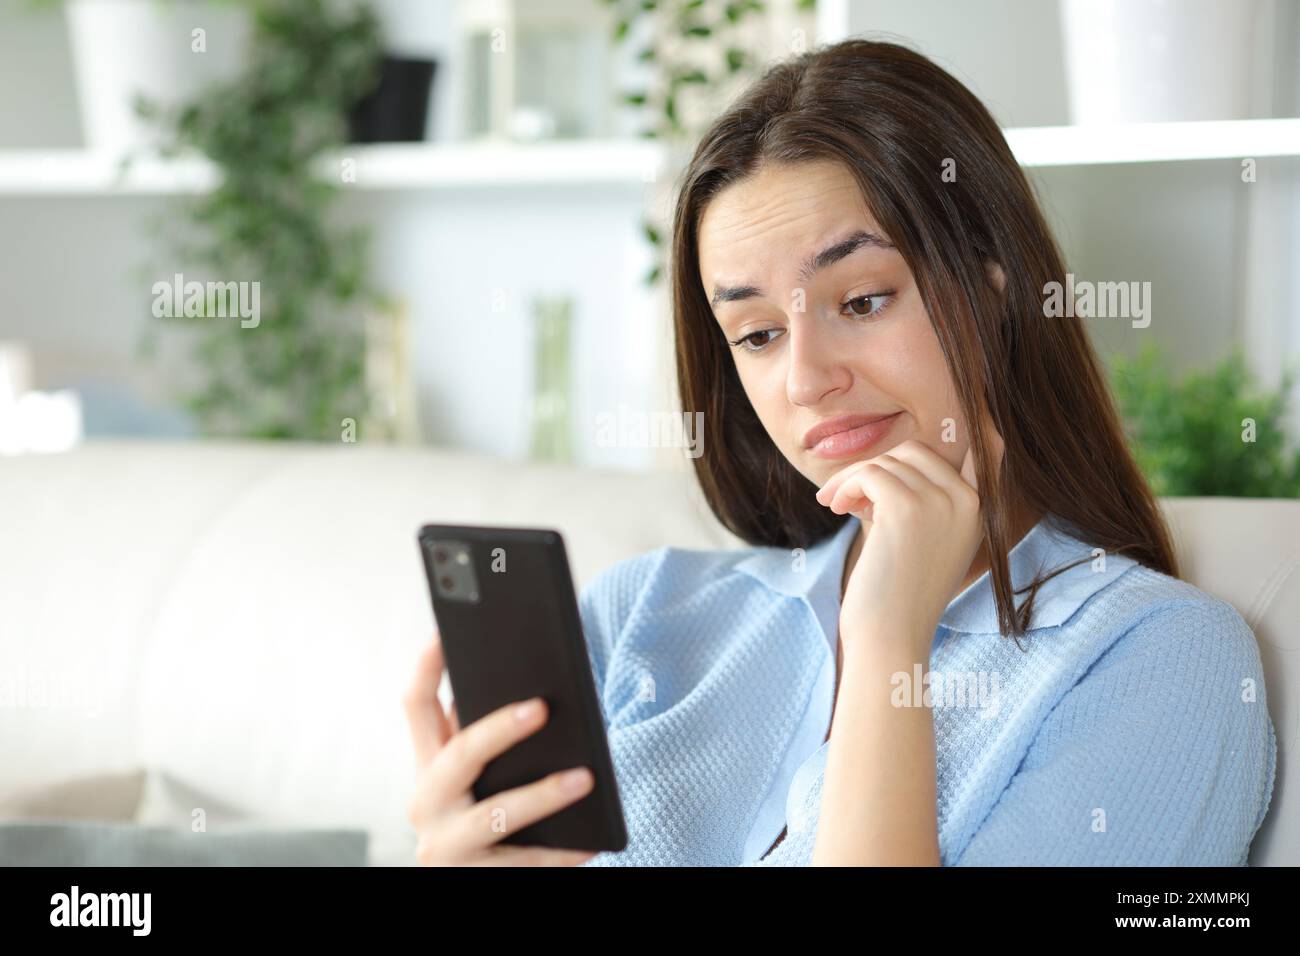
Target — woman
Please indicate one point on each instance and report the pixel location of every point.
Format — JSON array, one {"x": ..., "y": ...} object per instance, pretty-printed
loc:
[{"x": 909, "y": 441}]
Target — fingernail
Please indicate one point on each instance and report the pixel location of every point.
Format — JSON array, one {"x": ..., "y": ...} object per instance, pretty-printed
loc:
[
  {"x": 575, "y": 781},
  {"x": 527, "y": 711}
]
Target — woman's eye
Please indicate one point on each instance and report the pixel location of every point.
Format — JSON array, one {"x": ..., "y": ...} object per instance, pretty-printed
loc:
[
  {"x": 753, "y": 342},
  {"x": 862, "y": 305}
]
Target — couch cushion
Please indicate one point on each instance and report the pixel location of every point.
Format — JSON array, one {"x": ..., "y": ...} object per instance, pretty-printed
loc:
[
  {"x": 109, "y": 796},
  {"x": 53, "y": 843}
]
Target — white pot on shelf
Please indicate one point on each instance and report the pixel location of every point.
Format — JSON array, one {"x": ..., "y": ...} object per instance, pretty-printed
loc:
[
  {"x": 1134, "y": 61},
  {"x": 166, "y": 50}
]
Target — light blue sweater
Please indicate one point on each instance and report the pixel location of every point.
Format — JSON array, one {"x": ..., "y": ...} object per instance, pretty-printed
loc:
[{"x": 1131, "y": 730}]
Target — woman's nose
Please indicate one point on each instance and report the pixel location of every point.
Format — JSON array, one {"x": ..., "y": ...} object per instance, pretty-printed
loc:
[{"x": 817, "y": 367}]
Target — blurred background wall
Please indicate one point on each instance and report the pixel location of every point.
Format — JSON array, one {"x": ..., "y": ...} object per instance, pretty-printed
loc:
[{"x": 467, "y": 243}]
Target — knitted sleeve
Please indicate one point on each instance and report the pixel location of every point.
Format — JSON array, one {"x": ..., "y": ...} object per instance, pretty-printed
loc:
[
  {"x": 604, "y": 605},
  {"x": 1162, "y": 754}
]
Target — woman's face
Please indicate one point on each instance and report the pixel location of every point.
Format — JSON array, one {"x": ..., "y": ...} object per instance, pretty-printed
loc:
[{"x": 825, "y": 320}]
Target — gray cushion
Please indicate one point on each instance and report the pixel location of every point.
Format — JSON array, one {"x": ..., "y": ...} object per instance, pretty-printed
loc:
[{"x": 77, "y": 843}]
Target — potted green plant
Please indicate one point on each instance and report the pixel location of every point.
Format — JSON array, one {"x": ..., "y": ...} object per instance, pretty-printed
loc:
[{"x": 1214, "y": 432}]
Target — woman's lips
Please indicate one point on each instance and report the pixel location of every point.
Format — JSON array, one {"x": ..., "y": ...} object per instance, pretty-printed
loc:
[{"x": 853, "y": 441}]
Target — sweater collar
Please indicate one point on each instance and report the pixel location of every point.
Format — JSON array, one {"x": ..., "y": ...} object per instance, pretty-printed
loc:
[{"x": 814, "y": 575}]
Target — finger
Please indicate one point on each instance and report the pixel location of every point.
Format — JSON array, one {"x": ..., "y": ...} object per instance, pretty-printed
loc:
[
  {"x": 455, "y": 719},
  {"x": 869, "y": 486},
  {"x": 494, "y": 818},
  {"x": 458, "y": 764},
  {"x": 907, "y": 473},
  {"x": 848, "y": 497},
  {"x": 447, "y": 780},
  {"x": 428, "y": 724},
  {"x": 827, "y": 491},
  {"x": 933, "y": 465},
  {"x": 536, "y": 856}
]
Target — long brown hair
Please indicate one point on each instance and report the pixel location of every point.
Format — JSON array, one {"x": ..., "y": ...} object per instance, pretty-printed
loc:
[{"x": 897, "y": 121}]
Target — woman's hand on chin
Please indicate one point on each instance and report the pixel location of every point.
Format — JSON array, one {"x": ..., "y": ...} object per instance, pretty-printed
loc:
[{"x": 922, "y": 523}]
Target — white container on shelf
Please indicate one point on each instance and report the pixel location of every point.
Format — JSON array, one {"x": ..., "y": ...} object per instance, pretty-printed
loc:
[
  {"x": 166, "y": 50},
  {"x": 1136, "y": 61},
  {"x": 533, "y": 71}
]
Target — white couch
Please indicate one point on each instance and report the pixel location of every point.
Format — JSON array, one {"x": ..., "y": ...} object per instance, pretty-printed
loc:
[{"x": 244, "y": 617}]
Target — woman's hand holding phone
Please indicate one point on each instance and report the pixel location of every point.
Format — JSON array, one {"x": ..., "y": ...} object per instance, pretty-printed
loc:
[{"x": 452, "y": 827}]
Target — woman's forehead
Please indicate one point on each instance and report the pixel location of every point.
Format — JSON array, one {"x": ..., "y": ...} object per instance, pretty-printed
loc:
[
  {"x": 781, "y": 213},
  {"x": 793, "y": 255},
  {"x": 777, "y": 195}
]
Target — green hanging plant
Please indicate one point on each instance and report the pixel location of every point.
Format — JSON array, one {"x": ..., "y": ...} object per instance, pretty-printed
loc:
[{"x": 271, "y": 134}]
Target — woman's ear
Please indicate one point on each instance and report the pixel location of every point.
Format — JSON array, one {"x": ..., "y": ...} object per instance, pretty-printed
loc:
[{"x": 995, "y": 274}]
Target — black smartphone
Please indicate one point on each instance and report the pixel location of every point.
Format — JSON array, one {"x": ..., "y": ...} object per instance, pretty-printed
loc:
[{"x": 507, "y": 616}]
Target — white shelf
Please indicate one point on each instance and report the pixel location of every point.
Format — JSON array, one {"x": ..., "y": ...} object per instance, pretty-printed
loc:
[
  {"x": 386, "y": 166},
  {"x": 583, "y": 163},
  {"x": 78, "y": 172},
  {"x": 1154, "y": 142}
]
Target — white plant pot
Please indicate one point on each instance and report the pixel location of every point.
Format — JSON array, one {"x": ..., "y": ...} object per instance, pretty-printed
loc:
[
  {"x": 121, "y": 48},
  {"x": 1133, "y": 61}
]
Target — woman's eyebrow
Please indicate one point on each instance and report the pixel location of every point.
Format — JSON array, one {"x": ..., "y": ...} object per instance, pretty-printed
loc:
[{"x": 827, "y": 257}]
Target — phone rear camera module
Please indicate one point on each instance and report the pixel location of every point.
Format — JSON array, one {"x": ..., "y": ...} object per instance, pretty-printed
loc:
[{"x": 455, "y": 579}]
